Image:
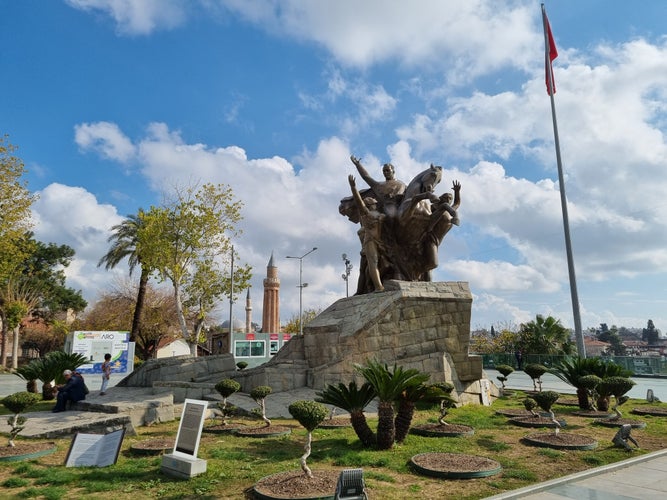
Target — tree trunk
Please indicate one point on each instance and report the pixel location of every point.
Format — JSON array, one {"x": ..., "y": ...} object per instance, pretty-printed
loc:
[
  {"x": 406, "y": 410},
  {"x": 15, "y": 348},
  {"x": 139, "y": 306},
  {"x": 361, "y": 428},
  {"x": 181, "y": 319},
  {"x": 582, "y": 397},
  {"x": 386, "y": 430}
]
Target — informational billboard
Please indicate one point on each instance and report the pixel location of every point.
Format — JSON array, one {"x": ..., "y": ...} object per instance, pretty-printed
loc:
[{"x": 94, "y": 345}]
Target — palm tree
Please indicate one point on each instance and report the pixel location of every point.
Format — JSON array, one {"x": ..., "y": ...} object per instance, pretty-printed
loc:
[
  {"x": 416, "y": 391},
  {"x": 125, "y": 244},
  {"x": 571, "y": 370},
  {"x": 353, "y": 400},
  {"x": 388, "y": 385},
  {"x": 545, "y": 336}
]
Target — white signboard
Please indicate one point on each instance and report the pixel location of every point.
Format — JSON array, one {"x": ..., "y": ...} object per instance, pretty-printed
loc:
[
  {"x": 190, "y": 427},
  {"x": 94, "y": 450}
]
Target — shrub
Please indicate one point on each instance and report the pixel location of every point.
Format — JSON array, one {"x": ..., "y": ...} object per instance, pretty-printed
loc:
[
  {"x": 17, "y": 403},
  {"x": 226, "y": 388},
  {"x": 310, "y": 414},
  {"x": 241, "y": 365},
  {"x": 535, "y": 372},
  {"x": 259, "y": 393}
]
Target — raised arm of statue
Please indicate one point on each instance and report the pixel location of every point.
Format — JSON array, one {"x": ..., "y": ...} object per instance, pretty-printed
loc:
[
  {"x": 456, "y": 185},
  {"x": 361, "y": 206},
  {"x": 363, "y": 172}
]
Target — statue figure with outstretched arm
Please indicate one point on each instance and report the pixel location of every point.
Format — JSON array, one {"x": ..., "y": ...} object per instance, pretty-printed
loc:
[
  {"x": 370, "y": 233},
  {"x": 388, "y": 193}
]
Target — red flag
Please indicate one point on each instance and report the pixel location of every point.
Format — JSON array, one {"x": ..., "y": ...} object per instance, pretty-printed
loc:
[{"x": 551, "y": 53}]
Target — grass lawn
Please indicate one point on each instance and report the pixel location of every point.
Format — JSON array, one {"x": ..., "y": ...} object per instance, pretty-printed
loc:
[{"x": 235, "y": 463}]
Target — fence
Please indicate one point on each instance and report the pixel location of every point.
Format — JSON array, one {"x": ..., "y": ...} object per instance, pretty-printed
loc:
[{"x": 638, "y": 365}]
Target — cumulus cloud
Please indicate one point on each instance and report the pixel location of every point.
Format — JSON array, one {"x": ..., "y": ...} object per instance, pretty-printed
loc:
[
  {"x": 106, "y": 139},
  {"x": 72, "y": 216},
  {"x": 137, "y": 18}
]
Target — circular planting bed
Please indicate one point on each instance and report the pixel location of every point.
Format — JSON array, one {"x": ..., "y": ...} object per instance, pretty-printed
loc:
[
  {"x": 439, "y": 430},
  {"x": 514, "y": 412},
  {"x": 533, "y": 421},
  {"x": 223, "y": 429},
  {"x": 335, "y": 423},
  {"x": 270, "y": 431},
  {"x": 454, "y": 465},
  {"x": 153, "y": 446},
  {"x": 568, "y": 402},
  {"x": 295, "y": 484},
  {"x": 561, "y": 441},
  {"x": 25, "y": 451},
  {"x": 618, "y": 422},
  {"x": 592, "y": 414},
  {"x": 656, "y": 411}
]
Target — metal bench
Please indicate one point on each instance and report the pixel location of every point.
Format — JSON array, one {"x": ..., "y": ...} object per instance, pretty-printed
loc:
[{"x": 351, "y": 485}]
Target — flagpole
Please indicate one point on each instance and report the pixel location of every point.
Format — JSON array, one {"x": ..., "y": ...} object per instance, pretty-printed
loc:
[{"x": 581, "y": 348}]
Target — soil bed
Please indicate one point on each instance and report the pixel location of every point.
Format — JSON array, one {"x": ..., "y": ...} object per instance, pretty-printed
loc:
[
  {"x": 439, "y": 430},
  {"x": 454, "y": 465},
  {"x": 532, "y": 421},
  {"x": 266, "y": 431},
  {"x": 568, "y": 402},
  {"x": 607, "y": 422},
  {"x": 592, "y": 414},
  {"x": 562, "y": 440},
  {"x": 656, "y": 411},
  {"x": 223, "y": 429},
  {"x": 295, "y": 484},
  {"x": 333, "y": 423},
  {"x": 153, "y": 446},
  {"x": 26, "y": 449}
]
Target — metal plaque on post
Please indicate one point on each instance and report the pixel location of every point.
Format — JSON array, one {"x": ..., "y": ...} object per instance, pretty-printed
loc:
[{"x": 183, "y": 461}]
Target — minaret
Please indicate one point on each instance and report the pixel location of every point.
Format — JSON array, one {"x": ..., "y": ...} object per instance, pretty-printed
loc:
[
  {"x": 271, "y": 308},
  {"x": 248, "y": 313}
]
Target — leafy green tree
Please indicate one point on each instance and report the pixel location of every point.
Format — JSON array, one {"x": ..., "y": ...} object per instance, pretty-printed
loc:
[
  {"x": 15, "y": 221},
  {"x": 650, "y": 334},
  {"x": 37, "y": 286},
  {"x": 545, "y": 336},
  {"x": 352, "y": 399},
  {"x": 604, "y": 334},
  {"x": 309, "y": 414},
  {"x": 187, "y": 242},
  {"x": 293, "y": 324},
  {"x": 125, "y": 245}
]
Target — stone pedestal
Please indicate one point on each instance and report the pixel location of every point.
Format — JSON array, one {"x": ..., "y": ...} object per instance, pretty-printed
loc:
[
  {"x": 412, "y": 324},
  {"x": 182, "y": 467}
]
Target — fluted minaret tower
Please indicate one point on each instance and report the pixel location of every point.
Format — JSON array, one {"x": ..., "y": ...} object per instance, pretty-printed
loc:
[
  {"x": 248, "y": 313},
  {"x": 271, "y": 308}
]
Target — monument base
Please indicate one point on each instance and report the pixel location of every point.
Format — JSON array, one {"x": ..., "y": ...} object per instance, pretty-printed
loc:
[{"x": 182, "y": 467}]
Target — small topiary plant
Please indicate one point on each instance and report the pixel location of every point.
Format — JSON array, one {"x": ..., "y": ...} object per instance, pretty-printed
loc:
[
  {"x": 590, "y": 384},
  {"x": 546, "y": 400},
  {"x": 242, "y": 365},
  {"x": 226, "y": 388},
  {"x": 259, "y": 394},
  {"x": 535, "y": 372},
  {"x": 17, "y": 403},
  {"x": 530, "y": 404},
  {"x": 309, "y": 414},
  {"x": 505, "y": 371},
  {"x": 617, "y": 387}
]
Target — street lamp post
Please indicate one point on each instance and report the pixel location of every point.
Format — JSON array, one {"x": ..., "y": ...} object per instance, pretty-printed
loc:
[
  {"x": 346, "y": 275},
  {"x": 301, "y": 286}
]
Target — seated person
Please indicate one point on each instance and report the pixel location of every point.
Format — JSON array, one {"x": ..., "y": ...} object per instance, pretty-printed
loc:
[{"x": 73, "y": 390}]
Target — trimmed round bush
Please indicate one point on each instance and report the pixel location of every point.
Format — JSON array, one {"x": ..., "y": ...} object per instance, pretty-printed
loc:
[
  {"x": 529, "y": 404},
  {"x": 505, "y": 370},
  {"x": 242, "y": 365},
  {"x": 19, "y": 401},
  {"x": 260, "y": 392},
  {"x": 309, "y": 414},
  {"x": 535, "y": 370},
  {"x": 617, "y": 386},
  {"x": 546, "y": 399},
  {"x": 589, "y": 382},
  {"x": 227, "y": 387}
]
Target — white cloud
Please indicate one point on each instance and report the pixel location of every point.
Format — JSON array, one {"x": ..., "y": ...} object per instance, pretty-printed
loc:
[
  {"x": 72, "y": 216},
  {"x": 106, "y": 139},
  {"x": 137, "y": 17}
]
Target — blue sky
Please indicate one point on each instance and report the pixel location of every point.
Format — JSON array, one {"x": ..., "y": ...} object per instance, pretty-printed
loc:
[{"x": 112, "y": 101}]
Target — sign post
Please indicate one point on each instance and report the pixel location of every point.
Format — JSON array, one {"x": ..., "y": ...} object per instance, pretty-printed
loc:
[{"x": 183, "y": 461}]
